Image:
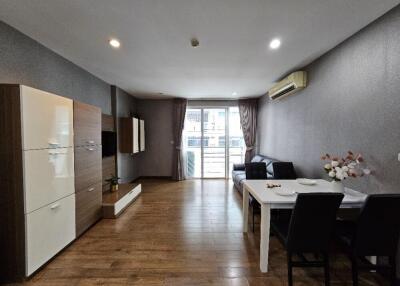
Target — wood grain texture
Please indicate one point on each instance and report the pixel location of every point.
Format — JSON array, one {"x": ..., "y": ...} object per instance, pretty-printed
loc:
[
  {"x": 12, "y": 222},
  {"x": 126, "y": 135},
  {"x": 182, "y": 233},
  {"x": 108, "y": 163},
  {"x": 108, "y": 170},
  {"x": 87, "y": 124},
  {"x": 88, "y": 165},
  {"x": 88, "y": 207},
  {"x": 88, "y": 168},
  {"x": 107, "y": 122}
]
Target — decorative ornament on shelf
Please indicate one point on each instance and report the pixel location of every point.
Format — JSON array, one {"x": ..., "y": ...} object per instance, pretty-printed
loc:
[
  {"x": 352, "y": 166},
  {"x": 113, "y": 183}
]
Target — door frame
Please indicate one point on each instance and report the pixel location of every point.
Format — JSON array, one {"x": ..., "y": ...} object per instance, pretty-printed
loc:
[{"x": 202, "y": 108}]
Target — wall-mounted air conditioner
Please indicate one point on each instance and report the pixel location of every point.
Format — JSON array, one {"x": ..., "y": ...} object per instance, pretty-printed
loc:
[{"x": 289, "y": 85}]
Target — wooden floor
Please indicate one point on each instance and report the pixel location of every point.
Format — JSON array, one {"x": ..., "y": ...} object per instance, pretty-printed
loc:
[{"x": 180, "y": 233}]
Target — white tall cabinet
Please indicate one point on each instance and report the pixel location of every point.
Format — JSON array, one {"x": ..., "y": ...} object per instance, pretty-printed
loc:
[
  {"x": 48, "y": 162},
  {"x": 142, "y": 136},
  {"x": 46, "y": 167}
]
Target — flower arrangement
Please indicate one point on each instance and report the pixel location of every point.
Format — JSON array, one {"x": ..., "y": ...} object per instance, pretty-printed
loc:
[{"x": 341, "y": 168}]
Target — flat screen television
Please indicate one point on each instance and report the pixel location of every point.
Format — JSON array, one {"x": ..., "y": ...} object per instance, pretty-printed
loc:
[{"x": 109, "y": 142}]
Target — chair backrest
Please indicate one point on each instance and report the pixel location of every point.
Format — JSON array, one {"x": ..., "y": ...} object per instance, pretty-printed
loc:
[
  {"x": 312, "y": 222},
  {"x": 256, "y": 171},
  {"x": 378, "y": 226},
  {"x": 284, "y": 171}
]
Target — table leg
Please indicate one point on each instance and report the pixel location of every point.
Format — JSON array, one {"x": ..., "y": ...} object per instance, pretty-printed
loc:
[
  {"x": 264, "y": 240},
  {"x": 245, "y": 209}
]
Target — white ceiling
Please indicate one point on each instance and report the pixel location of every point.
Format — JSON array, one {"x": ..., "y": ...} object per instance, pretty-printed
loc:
[{"x": 155, "y": 54}]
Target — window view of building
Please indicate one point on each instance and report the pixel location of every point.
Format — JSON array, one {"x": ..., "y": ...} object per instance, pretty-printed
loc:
[{"x": 205, "y": 137}]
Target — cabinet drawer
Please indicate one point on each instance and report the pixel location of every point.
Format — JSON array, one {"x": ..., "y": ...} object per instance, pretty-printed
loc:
[
  {"x": 49, "y": 230},
  {"x": 127, "y": 199},
  {"x": 46, "y": 119},
  {"x": 49, "y": 176},
  {"x": 88, "y": 207},
  {"x": 87, "y": 166},
  {"x": 87, "y": 124}
]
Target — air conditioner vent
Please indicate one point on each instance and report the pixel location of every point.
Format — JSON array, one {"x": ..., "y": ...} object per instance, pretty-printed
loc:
[
  {"x": 289, "y": 85},
  {"x": 284, "y": 91}
]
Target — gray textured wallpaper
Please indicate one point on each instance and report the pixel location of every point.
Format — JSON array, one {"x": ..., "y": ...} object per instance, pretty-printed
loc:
[
  {"x": 352, "y": 102},
  {"x": 25, "y": 61},
  {"x": 157, "y": 159},
  {"x": 126, "y": 106}
]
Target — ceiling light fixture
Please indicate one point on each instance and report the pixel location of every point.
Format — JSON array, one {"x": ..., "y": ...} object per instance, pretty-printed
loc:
[
  {"x": 114, "y": 43},
  {"x": 234, "y": 93},
  {"x": 275, "y": 44},
  {"x": 194, "y": 42}
]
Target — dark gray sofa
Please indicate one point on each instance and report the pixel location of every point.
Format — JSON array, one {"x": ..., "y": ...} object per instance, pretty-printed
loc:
[{"x": 239, "y": 173}]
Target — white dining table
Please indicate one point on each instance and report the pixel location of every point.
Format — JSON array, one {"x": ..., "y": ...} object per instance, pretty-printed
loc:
[{"x": 269, "y": 199}]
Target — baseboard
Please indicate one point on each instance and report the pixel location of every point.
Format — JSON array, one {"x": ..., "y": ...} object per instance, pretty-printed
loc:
[{"x": 152, "y": 177}]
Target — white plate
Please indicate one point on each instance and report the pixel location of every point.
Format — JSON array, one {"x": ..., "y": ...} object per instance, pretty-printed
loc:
[
  {"x": 307, "y": 182},
  {"x": 284, "y": 192}
]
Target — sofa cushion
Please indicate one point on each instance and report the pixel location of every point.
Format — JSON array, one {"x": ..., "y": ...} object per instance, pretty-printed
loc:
[
  {"x": 268, "y": 161},
  {"x": 257, "y": 158},
  {"x": 238, "y": 176},
  {"x": 270, "y": 169},
  {"x": 239, "y": 167}
]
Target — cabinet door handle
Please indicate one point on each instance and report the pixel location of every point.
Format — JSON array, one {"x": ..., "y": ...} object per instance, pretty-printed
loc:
[
  {"x": 57, "y": 153},
  {"x": 91, "y": 190},
  {"x": 54, "y": 143},
  {"x": 90, "y": 149},
  {"x": 53, "y": 207},
  {"x": 131, "y": 192},
  {"x": 90, "y": 141}
]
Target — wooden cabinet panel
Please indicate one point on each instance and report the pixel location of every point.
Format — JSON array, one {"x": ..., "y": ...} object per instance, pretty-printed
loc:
[
  {"x": 88, "y": 207},
  {"x": 12, "y": 219},
  {"x": 87, "y": 166},
  {"x": 108, "y": 166},
  {"x": 107, "y": 122},
  {"x": 128, "y": 135},
  {"x": 46, "y": 119},
  {"x": 87, "y": 124}
]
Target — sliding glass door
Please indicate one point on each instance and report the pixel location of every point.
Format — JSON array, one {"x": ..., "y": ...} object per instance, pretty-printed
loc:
[
  {"x": 192, "y": 143},
  {"x": 212, "y": 141}
]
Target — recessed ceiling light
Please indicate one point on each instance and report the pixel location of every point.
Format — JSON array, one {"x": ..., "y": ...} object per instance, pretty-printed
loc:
[
  {"x": 114, "y": 43},
  {"x": 234, "y": 93},
  {"x": 275, "y": 44},
  {"x": 194, "y": 42}
]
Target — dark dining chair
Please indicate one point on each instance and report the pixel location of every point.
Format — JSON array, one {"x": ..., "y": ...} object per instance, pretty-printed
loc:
[
  {"x": 374, "y": 233},
  {"x": 255, "y": 171},
  {"x": 309, "y": 230},
  {"x": 284, "y": 171}
]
